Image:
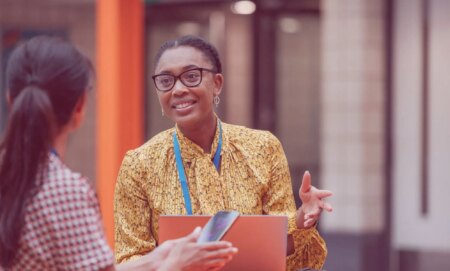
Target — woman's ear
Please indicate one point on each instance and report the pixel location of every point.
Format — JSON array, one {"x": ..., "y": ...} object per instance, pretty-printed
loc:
[
  {"x": 8, "y": 99},
  {"x": 79, "y": 112},
  {"x": 218, "y": 83}
]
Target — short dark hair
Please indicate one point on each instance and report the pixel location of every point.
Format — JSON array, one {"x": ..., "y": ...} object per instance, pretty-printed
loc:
[
  {"x": 46, "y": 77},
  {"x": 195, "y": 42}
]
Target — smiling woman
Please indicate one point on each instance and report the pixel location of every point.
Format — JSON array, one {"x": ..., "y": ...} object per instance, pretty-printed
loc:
[
  {"x": 202, "y": 165},
  {"x": 189, "y": 101}
]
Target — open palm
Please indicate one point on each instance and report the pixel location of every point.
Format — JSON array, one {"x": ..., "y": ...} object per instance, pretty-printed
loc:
[{"x": 312, "y": 203}]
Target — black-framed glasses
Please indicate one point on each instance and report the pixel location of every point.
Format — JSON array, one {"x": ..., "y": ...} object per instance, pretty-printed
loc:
[{"x": 190, "y": 78}]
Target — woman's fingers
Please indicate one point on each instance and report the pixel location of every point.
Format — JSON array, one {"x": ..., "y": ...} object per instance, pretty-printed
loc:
[
  {"x": 326, "y": 206},
  {"x": 306, "y": 183},
  {"x": 309, "y": 222},
  {"x": 313, "y": 202},
  {"x": 226, "y": 253},
  {"x": 214, "y": 259},
  {"x": 313, "y": 215},
  {"x": 193, "y": 236},
  {"x": 323, "y": 193},
  {"x": 212, "y": 246},
  {"x": 217, "y": 259}
]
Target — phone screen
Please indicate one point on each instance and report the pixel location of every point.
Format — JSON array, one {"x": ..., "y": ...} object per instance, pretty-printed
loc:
[{"x": 217, "y": 226}]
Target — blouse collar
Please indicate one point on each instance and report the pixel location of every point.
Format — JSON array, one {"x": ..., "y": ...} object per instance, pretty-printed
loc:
[{"x": 190, "y": 150}]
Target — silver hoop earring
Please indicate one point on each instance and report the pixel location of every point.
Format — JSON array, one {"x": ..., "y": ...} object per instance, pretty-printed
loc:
[
  {"x": 216, "y": 100},
  {"x": 162, "y": 112}
]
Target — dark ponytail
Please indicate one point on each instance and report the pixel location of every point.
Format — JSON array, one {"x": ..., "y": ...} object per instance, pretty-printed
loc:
[
  {"x": 46, "y": 77},
  {"x": 24, "y": 149}
]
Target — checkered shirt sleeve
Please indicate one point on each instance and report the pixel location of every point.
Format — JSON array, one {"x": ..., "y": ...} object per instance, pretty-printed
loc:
[{"x": 63, "y": 229}]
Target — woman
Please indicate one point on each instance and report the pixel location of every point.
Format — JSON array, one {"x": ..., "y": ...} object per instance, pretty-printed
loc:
[
  {"x": 204, "y": 165},
  {"x": 49, "y": 215}
]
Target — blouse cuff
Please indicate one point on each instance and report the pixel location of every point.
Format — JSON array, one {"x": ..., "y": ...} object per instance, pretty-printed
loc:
[{"x": 309, "y": 248}]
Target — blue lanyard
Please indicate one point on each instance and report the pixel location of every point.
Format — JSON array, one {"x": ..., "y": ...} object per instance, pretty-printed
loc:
[
  {"x": 182, "y": 173},
  {"x": 53, "y": 150}
]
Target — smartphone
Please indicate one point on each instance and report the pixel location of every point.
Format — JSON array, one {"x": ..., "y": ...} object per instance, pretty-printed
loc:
[{"x": 217, "y": 226}]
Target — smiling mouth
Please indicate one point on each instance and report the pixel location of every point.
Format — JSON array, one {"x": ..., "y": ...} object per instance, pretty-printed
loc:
[{"x": 183, "y": 105}]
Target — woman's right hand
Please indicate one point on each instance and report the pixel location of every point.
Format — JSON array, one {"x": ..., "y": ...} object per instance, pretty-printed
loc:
[{"x": 186, "y": 254}]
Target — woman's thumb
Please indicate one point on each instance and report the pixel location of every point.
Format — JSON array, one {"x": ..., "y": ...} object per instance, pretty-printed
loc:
[{"x": 193, "y": 236}]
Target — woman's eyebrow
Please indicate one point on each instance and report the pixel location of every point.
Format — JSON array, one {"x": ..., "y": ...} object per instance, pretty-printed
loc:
[
  {"x": 184, "y": 68},
  {"x": 190, "y": 67}
]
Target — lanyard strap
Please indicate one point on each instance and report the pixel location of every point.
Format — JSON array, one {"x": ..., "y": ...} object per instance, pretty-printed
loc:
[
  {"x": 219, "y": 149},
  {"x": 53, "y": 150},
  {"x": 182, "y": 173}
]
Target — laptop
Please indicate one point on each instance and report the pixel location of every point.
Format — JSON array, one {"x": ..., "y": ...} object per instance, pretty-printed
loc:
[{"x": 261, "y": 239}]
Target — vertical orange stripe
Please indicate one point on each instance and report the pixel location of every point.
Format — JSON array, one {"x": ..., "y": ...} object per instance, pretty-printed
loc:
[
  {"x": 119, "y": 45},
  {"x": 131, "y": 42}
]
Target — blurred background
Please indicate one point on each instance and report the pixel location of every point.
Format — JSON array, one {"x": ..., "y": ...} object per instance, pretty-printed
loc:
[{"x": 356, "y": 90}]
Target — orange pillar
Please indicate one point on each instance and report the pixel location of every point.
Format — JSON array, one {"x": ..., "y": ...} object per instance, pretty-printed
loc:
[{"x": 119, "y": 101}]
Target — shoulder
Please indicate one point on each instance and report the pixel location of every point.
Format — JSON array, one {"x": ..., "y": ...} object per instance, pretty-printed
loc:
[
  {"x": 145, "y": 159},
  {"x": 153, "y": 147},
  {"x": 251, "y": 138},
  {"x": 63, "y": 184},
  {"x": 63, "y": 196}
]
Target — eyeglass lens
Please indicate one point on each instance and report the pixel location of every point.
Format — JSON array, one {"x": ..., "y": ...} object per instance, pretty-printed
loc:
[{"x": 189, "y": 78}]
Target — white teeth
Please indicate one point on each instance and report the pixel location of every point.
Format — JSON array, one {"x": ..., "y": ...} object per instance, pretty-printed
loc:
[{"x": 183, "y": 105}]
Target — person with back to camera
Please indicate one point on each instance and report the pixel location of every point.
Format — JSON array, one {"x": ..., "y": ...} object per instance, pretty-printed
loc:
[
  {"x": 49, "y": 215},
  {"x": 221, "y": 166}
]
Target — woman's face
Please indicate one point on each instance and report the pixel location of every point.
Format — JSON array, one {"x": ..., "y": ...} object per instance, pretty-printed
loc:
[{"x": 188, "y": 106}]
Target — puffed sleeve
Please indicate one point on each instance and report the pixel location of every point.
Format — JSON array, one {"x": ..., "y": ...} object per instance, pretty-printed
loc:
[
  {"x": 310, "y": 249},
  {"x": 132, "y": 214}
]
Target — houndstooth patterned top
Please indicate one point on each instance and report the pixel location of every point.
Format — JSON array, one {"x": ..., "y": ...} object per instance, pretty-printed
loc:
[{"x": 63, "y": 229}]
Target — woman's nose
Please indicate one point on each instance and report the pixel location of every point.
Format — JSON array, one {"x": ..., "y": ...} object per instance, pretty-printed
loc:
[{"x": 179, "y": 88}]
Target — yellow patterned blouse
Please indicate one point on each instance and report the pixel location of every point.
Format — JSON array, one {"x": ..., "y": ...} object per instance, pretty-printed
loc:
[{"x": 254, "y": 179}]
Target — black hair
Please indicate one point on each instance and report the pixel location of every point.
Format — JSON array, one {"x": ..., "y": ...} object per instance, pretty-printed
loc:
[
  {"x": 195, "y": 42},
  {"x": 46, "y": 77}
]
